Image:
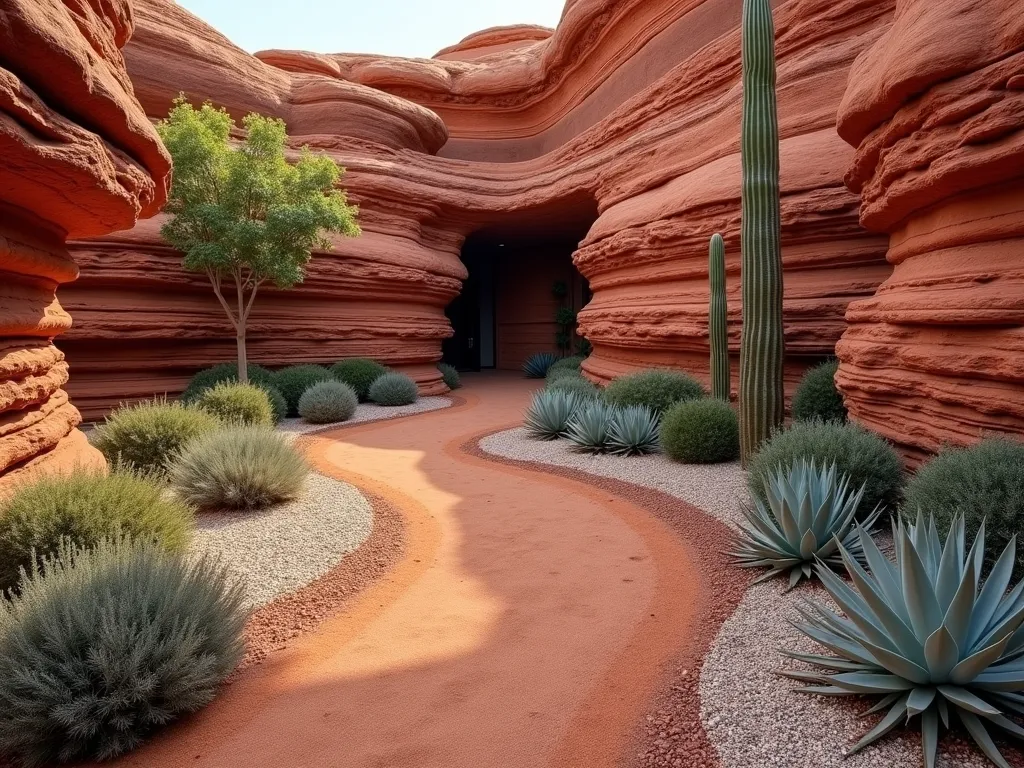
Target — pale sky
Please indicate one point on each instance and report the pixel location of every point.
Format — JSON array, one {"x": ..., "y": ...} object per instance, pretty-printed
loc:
[{"x": 392, "y": 27}]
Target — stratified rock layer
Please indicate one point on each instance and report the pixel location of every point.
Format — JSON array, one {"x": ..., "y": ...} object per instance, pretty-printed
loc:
[
  {"x": 629, "y": 108},
  {"x": 79, "y": 158},
  {"x": 935, "y": 108}
]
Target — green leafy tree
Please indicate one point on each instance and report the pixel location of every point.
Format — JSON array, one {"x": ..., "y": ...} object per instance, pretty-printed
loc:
[{"x": 241, "y": 213}]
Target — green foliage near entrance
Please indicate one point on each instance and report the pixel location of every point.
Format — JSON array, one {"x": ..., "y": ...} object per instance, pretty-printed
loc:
[{"x": 243, "y": 215}]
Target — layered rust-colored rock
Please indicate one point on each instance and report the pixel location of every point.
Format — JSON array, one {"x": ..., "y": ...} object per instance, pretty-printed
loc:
[
  {"x": 935, "y": 109},
  {"x": 77, "y": 157},
  {"x": 627, "y": 113}
]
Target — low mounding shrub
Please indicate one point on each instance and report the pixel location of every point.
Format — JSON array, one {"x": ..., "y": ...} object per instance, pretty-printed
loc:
[
  {"x": 327, "y": 402},
  {"x": 658, "y": 389},
  {"x": 704, "y": 431},
  {"x": 863, "y": 456},
  {"x": 359, "y": 373},
  {"x": 536, "y": 366},
  {"x": 549, "y": 414},
  {"x": 817, "y": 397},
  {"x": 145, "y": 436},
  {"x": 633, "y": 431},
  {"x": 394, "y": 389},
  {"x": 238, "y": 468},
  {"x": 103, "y": 646},
  {"x": 985, "y": 482},
  {"x": 235, "y": 403},
  {"x": 588, "y": 428},
  {"x": 86, "y": 508},
  {"x": 295, "y": 380},
  {"x": 571, "y": 365},
  {"x": 278, "y": 405},
  {"x": 576, "y": 384},
  {"x": 450, "y": 375},
  {"x": 225, "y": 372}
]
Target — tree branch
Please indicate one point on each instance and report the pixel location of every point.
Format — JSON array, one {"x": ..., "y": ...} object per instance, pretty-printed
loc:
[
  {"x": 252, "y": 298},
  {"x": 215, "y": 282}
]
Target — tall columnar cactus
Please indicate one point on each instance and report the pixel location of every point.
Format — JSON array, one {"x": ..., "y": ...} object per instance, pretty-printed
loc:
[
  {"x": 718, "y": 318},
  {"x": 761, "y": 347}
]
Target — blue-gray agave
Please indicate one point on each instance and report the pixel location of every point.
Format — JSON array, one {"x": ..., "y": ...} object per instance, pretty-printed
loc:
[
  {"x": 633, "y": 431},
  {"x": 809, "y": 512},
  {"x": 536, "y": 366},
  {"x": 588, "y": 428},
  {"x": 925, "y": 634},
  {"x": 549, "y": 413}
]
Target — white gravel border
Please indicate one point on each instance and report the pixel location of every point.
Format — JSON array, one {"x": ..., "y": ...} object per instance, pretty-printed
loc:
[
  {"x": 750, "y": 714},
  {"x": 278, "y": 550}
]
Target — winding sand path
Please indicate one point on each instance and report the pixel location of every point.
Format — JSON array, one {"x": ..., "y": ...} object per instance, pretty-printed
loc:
[{"x": 528, "y": 623}]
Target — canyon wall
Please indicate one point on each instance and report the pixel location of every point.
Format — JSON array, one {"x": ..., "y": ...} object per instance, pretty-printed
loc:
[
  {"x": 935, "y": 108},
  {"x": 77, "y": 158}
]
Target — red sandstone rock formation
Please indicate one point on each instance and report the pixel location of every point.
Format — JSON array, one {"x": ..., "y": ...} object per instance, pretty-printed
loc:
[
  {"x": 935, "y": 108},
  {"x": 629, "y": 108},
  {"x": 78, "y": 158}
]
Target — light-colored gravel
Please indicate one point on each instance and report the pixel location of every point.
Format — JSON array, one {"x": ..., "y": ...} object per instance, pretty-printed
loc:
[
  {"x": 750, "y": 713},
  {"x": 368, "y": 412},
  {"x": 718, "y": 489},
  {"x": 277, "y": 550}
]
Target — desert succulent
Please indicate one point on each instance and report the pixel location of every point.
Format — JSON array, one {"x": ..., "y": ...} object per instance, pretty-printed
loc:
[
  {"x": 549, "y": 413},
  {"x": 923, "y": 633},
  {"x": 589, "y": 427},
  {"x": 810, "y": 512},
  {"x": 633, "y": 431},
  {"x": 536, "y": 366}
]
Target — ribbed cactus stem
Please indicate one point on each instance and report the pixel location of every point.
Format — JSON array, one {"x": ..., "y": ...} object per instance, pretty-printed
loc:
[
  {"x": 761, "y": 346},
  {"x": 718, "y": 320}
]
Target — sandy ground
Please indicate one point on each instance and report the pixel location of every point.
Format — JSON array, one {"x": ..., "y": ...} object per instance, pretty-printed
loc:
[{"x": 529, "y": 621}]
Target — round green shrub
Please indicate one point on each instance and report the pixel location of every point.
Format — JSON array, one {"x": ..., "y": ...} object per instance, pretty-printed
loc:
[
  {"x": 278, "y": 405},
  {"x": 658, "y": 389},
  {"x": 327, "y": 402},
  {"x": 359, "y": 373},
  {"x": 556, "y": 374},
  {"x": 985, "y": 482},
  {"x": 145, "y": 436},
  {"x": 295, "y": 380},
  {"x": 225, "y": 372},
  {"x": 817, "y": 397},
  {"x": 450, "y": 375},
  {"x": 235, "y": 403},
  {"x": 238, "y": 468},
  {"x": 576, "y": 384},
  {"x": 864, "y": 456},
  {"x": 86, "y": 508},
  {"x": 704, "y": 431},
  {"x": 394, "y": 389},
  {"x": 102, "y": 647},
  {"x": 565, "y": 366}
]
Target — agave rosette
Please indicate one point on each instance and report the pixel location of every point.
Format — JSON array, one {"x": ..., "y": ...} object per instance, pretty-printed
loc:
[
  {"x": 536, "y": 366},
  {"x": 588, "y": 428},
  {"x": 549, "y": 414},
  {"x": 633, "y": 431},
  {"x": 925, "y": 634},
  {"x": 808, "y": 513}
]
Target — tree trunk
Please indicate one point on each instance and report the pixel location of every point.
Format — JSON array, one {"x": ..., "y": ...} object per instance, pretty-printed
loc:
[{"x": 243, "y": 360}]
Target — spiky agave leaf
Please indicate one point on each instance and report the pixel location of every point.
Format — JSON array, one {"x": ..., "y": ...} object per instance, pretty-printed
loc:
[
  {"x": 633, "y": 431},
  {"x": 808, "y": 513},
  {"x": 549, "y": 413},
  {"x": 588, "y": 428},
  {"x": 536, "y": 366},
  {"x": 925, "y": 634}
]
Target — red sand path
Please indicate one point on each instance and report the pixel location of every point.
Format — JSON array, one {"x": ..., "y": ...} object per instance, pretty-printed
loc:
[{"x": 528, "y": 623}]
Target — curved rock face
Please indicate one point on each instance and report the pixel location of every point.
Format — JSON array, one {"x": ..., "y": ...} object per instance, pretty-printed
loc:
[
  {"x": 629, "y": 108},
  {"x": 937, "y": 117},
  {"x": 77, "y": 158}
]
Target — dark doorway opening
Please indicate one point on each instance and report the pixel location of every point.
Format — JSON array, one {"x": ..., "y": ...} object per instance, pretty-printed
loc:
[{"x": 521, "y": 281}]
